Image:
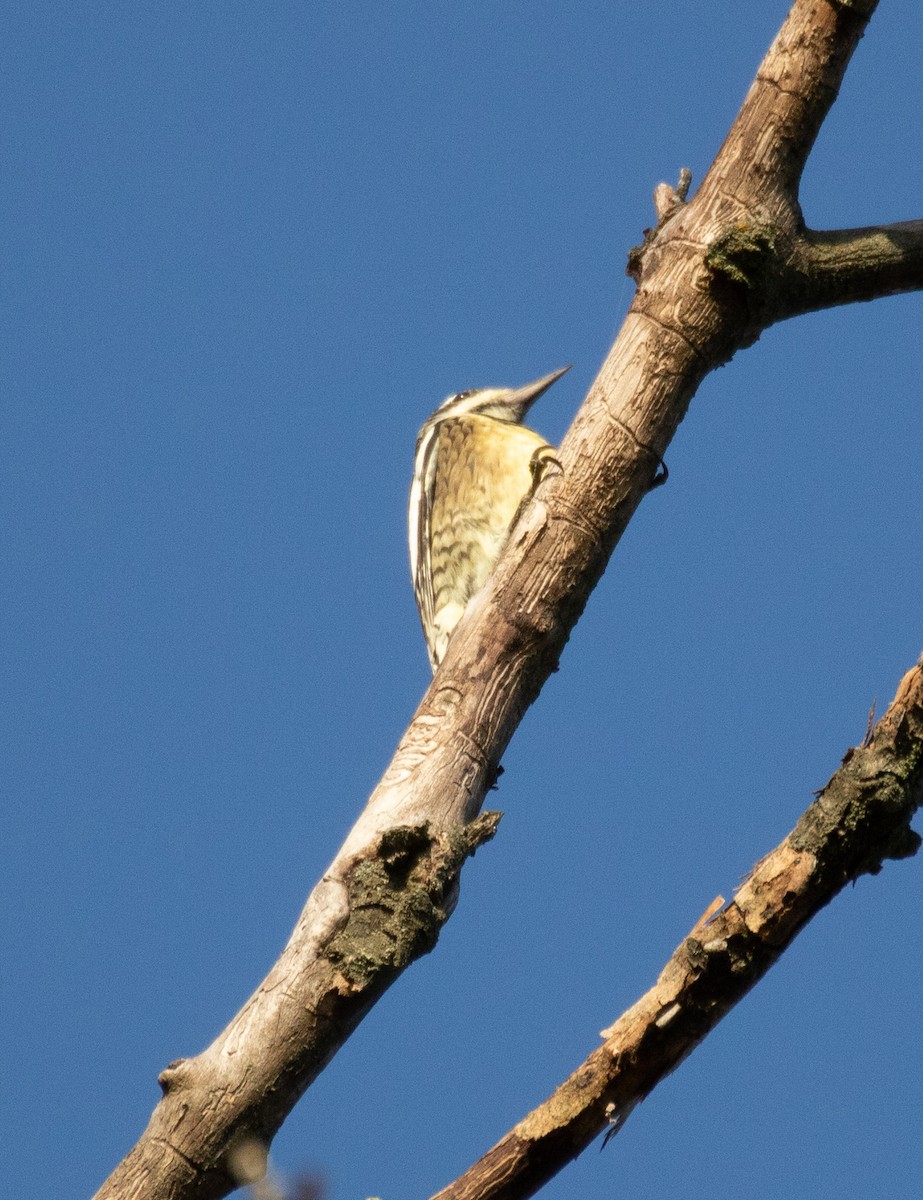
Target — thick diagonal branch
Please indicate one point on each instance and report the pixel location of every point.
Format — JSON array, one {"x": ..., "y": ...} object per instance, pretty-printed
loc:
[
  {"x": 768, "y": 144},
  {"x": 859, "y": 819}
]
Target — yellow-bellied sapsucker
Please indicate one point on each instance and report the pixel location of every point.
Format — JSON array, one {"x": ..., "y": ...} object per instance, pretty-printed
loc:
[{"x": 474, "y": 464}]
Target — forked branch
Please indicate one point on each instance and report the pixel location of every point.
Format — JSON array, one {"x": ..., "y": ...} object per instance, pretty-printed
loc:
[{"x": 711, "y": 277}]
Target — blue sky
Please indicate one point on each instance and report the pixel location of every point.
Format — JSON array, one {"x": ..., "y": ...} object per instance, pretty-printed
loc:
[{"x": 248, "y": 249}]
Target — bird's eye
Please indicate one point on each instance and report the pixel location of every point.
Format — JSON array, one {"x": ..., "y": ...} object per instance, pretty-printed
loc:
[{"x": 465, "y": 395}]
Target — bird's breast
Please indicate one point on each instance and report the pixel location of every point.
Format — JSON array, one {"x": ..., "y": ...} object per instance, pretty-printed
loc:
[{"x": 482, "y": 474}]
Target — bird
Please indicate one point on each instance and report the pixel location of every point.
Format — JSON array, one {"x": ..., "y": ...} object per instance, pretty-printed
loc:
[{"x": 474, "y": 464}]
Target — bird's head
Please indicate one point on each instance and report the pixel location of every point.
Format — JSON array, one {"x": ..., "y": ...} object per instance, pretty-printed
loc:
[{"x": 503, "y": 404}]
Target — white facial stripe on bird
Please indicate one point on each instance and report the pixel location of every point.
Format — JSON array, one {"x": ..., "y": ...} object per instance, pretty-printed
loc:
[{"x": 464, "y": 403}]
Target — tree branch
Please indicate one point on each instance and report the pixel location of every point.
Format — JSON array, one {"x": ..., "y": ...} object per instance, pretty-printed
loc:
[
  {"x": 847, "y": 265},
  {"x": 384, "y": 898},
  {"x": 859, "y": 819},
  {"x": 768, "y": 144}
]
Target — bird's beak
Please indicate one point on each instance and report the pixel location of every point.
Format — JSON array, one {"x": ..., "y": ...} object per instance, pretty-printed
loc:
[{"x": 520, "y": 400}]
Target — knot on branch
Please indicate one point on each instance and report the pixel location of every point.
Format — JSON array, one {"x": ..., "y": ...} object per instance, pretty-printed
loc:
[
  {"x": 667, "y": 202},
  {"x": 174, "y": 1075},
  {"x": 747, "y": 269},
  {"x": 721, "y": 964},
  {"x": 746, "y": 255},
  {"x": 400, "y": 896},
  {"x": 668, "y": 199},
  {"x": 865, "y": 811},
  {"x": 864, "y": 8}
]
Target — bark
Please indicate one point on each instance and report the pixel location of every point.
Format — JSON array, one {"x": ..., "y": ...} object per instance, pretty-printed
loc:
[
  {"x": 711, "y": 276},
  {"x": 859, "y": 819}
]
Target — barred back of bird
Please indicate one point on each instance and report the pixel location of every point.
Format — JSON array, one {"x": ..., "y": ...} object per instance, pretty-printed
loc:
[{"x": 474, "y": 465}]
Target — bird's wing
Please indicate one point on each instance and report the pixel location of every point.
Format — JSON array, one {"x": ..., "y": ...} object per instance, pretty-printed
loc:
[{"x": 419, "y": 525}]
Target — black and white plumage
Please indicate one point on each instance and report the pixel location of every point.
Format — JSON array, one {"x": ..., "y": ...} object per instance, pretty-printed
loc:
[{"x": 474, "y": 464}]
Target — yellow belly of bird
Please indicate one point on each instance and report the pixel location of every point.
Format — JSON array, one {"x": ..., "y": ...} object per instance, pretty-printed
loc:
[{"x": 483, "y": 473}]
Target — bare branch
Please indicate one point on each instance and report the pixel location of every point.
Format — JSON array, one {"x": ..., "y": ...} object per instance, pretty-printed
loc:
[
  {"x": 384, "y": 898},
  {"x": 859, "y": 819},
  {"x": 766, "y": 148},
  {"x": 848, "y": 265}
]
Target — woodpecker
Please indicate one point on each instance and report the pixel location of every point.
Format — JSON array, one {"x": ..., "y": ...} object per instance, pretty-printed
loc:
[{"x": 474, "y": 464}]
